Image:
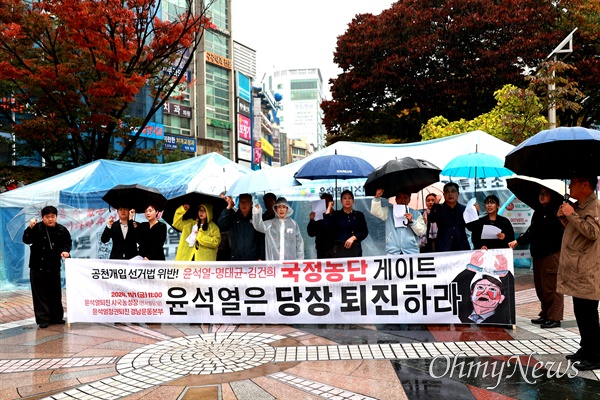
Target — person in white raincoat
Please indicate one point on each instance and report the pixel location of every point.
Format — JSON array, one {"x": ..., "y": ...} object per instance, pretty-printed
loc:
[
  {"x": 283, "y": 240},
  {"x": 400, "y": 238}
]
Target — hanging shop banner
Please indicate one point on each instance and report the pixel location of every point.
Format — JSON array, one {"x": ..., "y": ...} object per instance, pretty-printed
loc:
[
  {"x": 244, "y": 128},
  {"x": 441, "y": 288}
]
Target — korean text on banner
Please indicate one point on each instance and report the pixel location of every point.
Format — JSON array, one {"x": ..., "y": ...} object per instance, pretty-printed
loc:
[{"x": 443, "y": 288}]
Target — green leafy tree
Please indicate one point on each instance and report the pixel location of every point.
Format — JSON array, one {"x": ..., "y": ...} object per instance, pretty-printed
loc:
[
  {"x": 417, "y": 60},
  {"x": 516, "y": 116},
  {"x": 75, "y": 66},
  {"x": 565, "y": 95}
]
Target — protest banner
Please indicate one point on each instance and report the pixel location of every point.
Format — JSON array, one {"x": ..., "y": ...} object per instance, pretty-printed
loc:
[{"x": 444, "y": 288}]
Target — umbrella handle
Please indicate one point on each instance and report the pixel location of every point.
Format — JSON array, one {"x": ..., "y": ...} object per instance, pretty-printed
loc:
[{"x": 406, "y": 209}]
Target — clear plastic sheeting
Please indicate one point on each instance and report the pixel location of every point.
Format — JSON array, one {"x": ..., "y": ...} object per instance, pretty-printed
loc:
[
  {"x": 82, "y": 189},
  {"x": 301, "y": 198}
]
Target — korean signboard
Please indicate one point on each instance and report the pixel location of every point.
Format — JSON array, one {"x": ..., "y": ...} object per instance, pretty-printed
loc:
[
  {"x": 243, "y": 86},
  {"x": 187, "y": 144},
  {"x": 177, "y": 109},
  {"x": 447, "y": 288},
  {"x": 244, "y": 128},
  {"x": 152, "y": 130}
]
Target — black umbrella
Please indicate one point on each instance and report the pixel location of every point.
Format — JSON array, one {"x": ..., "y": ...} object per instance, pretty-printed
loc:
[
  {"x": 135, "y": 196},
  {"x": 527, "y": 189},
  {"x": 404, "y": 175},
  {"x": 557, "y": 153},
  {"x": 193, "y": 199}
]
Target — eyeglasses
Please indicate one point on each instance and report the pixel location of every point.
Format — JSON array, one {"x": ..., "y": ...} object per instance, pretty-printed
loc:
[
  {"x": 492, "y": 291},
  {"x": 450, "y": 191}
]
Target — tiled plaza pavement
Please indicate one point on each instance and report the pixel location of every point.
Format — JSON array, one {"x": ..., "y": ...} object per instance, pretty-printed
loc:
[{"x": 181, "y": 361}]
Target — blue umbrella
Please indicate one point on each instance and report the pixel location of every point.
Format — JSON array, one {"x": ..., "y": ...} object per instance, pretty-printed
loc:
[
  {"x": 476, "y": 166},
  {"x": 557, "y": 153},
  {"x": 263, "y": 180},
  {"x": 335, "y": 166}
]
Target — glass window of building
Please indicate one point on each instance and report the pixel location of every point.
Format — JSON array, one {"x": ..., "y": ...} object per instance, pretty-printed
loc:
[
  {"x": 304, "y": 89},
  {"x": 217, "y": 13},
  {"x": 304, "y": 84},
  {"x": 298, "y": 152},
  {"x": 222, "y": 135},
  {"x": 304, "y": 95},
  {"x": 217, "y": 93},
  {"x": 173, "y": 8},
  {"x": 177, "y": 125},
  {"x": 216, "y": 44}
]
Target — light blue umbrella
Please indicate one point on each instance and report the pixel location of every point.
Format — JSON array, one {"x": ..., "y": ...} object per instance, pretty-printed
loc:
[
  {"x": 476, "y": 166},
  {"x": 263, "y": 180}
]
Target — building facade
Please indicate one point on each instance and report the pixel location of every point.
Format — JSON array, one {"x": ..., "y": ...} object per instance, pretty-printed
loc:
[
  {"x": 301, "y": 117},
  {"x": 259, "y": 143},
  {"x": 205, "y": 116}
]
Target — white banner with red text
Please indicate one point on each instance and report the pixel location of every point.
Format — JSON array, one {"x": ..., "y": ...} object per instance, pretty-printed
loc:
[{"x": 441, "y": 288}]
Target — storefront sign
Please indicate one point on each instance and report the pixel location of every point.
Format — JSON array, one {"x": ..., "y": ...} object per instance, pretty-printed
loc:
[
  {"x": 187, "y": 144},
  {"x": 218, "y": 60},
  {"x": 244, "y": 128}
]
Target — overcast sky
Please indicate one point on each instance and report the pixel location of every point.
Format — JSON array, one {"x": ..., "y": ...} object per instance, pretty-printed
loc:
[{"x": 297, "y": 34}]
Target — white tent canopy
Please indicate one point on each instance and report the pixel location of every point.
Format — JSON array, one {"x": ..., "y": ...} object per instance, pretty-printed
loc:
[{"x": 437, "y": 151}]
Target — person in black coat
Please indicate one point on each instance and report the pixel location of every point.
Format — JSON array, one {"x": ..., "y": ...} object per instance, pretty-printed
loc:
[
  {"x": 544, "y": 236},
  {"x": 151, "y": 235},
  {"x": 349, "y": 227},
  {"x": 504, "y": 237},
  {"x": 451, "y": 235},
  {"x": 323, "y": 237},
  {"x": 247, "y": 244},
  {"x": 124, "y": 242},
  {"x": 49, "y": 243}
]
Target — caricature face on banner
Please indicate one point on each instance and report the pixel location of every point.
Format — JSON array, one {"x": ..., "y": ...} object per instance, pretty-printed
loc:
[{"x": 487, "y": 287}]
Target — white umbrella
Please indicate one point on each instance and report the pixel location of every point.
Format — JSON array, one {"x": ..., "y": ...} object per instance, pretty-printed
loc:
[{"x": 263, "y": 180}]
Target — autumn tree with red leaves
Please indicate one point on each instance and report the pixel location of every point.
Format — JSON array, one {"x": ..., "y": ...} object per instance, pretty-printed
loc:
[
  {"x": 75, "y": 66},
  {"x": 421, "y": 59}
]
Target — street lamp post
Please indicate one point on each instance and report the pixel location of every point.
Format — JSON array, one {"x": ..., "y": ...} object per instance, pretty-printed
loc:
[{"x": 565, "y": 47}]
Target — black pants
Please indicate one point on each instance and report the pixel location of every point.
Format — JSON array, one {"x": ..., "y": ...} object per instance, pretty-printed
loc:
[
  {"x": 47, "y": 295},
  {"x": 586, "y": 314}
]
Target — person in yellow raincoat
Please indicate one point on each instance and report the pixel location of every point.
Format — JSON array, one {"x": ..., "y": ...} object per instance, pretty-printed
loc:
[{"x": 200, "y": 237}]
